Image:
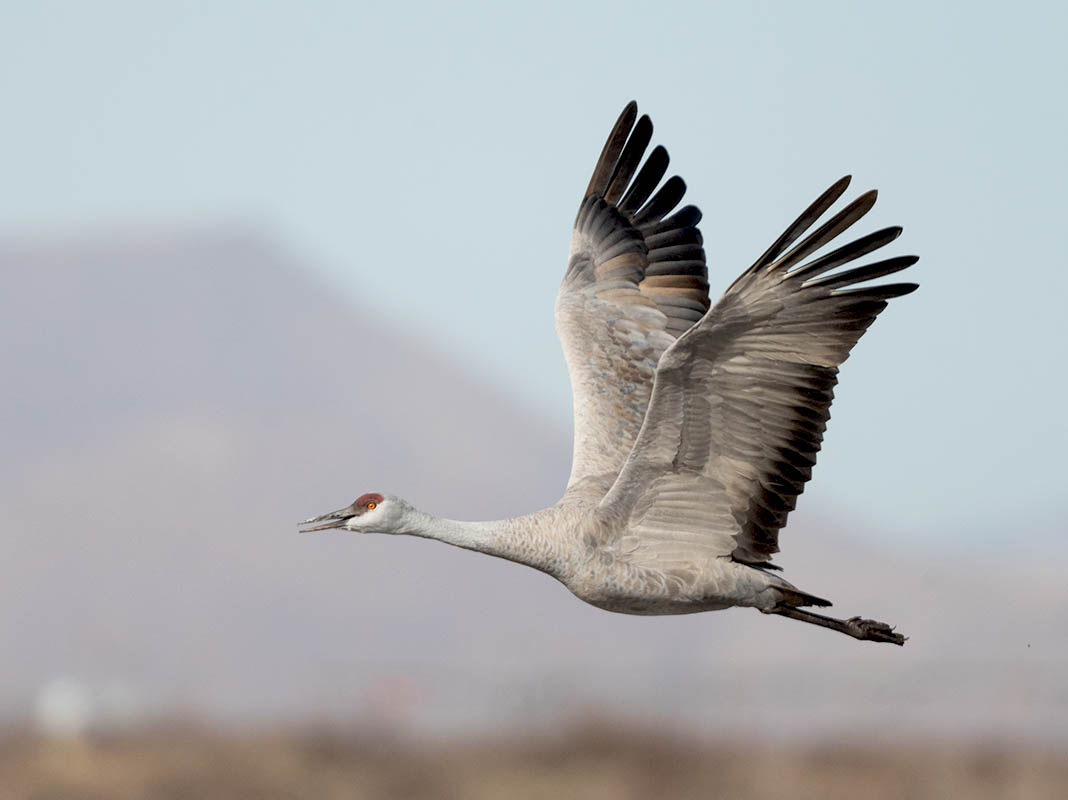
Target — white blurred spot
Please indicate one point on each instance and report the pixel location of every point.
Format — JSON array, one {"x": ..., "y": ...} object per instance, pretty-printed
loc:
[
  {"x": 68, "y": 707},
  {"x": 64, "y": 708}
]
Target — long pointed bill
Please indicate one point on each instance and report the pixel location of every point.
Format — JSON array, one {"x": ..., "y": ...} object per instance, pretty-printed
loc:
[{"x": 335, "y": 519}]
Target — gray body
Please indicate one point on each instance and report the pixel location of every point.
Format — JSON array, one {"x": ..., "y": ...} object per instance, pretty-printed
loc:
[
  {"x": 576, "y": 543},
  {"x": 696, "y": 425}
]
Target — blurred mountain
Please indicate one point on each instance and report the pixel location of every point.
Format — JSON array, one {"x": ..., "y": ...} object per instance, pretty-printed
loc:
[{"x": 174, "y": 403}]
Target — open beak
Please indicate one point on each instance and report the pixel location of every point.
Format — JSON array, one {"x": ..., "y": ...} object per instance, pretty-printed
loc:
[{"x": 335, "y": 519}]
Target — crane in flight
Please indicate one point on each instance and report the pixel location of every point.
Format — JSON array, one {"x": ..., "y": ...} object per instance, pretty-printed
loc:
[{"x": 696, "y": 424}]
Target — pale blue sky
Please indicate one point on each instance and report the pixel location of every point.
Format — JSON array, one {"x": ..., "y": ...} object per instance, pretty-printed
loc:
[{"x": 428, "y": 161}]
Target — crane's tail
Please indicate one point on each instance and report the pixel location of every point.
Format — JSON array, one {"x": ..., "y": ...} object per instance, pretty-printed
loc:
[{"x": 795, "y": 598}]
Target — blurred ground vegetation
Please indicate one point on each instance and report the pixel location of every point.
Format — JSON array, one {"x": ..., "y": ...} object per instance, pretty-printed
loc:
[{"x": 593, "y": 762}]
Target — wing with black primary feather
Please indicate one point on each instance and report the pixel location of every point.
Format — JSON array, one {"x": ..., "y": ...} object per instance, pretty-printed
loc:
[
  {"x": 636, "y": 280},
  {"x": 741, "y": 401}
]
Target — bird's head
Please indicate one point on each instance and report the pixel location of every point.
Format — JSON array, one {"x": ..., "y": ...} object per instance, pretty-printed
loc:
[{"x": 369, "y": 513}]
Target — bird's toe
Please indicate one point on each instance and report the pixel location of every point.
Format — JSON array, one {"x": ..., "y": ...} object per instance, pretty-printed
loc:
[{"x": 875, "y": 631}]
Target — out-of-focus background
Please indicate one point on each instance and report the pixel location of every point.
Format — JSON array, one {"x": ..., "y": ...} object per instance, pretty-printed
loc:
[{"x": 259, "y": 258}]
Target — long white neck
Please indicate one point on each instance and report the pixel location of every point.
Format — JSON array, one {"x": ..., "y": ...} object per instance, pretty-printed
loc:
[{"x": 526, "y": 540}]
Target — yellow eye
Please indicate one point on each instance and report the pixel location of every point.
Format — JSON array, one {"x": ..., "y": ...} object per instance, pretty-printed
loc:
[{"x": 371, "y": 506}]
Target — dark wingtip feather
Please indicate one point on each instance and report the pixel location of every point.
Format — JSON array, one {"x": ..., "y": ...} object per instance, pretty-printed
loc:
[
  {"x": 662, "y": 202},
  {"x": 685, "y": 216},
  {"x": 836, "y": 189},
  {"x": 646, "y": 181},
  {"x": 899, "y": 289},
  {"x": 802, "y": 223},
  {"x": 846, "y": 253},
  {"x": 879, "y": 269},
  {"x": 835, "y": 226},
  {"x": 613, "y": 146},
  {"x": 887, "y": 292},
  {"x": 628, "y": 160}
]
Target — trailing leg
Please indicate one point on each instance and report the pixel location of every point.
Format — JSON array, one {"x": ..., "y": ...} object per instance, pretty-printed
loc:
[{"x": 854, "y": 626}]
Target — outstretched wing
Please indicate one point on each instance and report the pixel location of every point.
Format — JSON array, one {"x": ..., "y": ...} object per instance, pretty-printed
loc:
[
  {"x": 636, "y": 279},
  {"x": 742, "y": 399}
]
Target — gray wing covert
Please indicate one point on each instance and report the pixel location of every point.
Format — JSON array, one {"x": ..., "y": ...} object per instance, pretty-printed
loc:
[
  {"x": 636, "y": 280},
  {"x": 741, "y": 401}
]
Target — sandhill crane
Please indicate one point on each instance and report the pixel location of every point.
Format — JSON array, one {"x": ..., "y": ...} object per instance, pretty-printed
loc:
[{"x": 696, "y": 425}]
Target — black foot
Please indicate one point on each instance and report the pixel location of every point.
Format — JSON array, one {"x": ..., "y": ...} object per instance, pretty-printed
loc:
[
  {"x": 857, "y": 627},
  {"x": 873, "y": 631}
]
